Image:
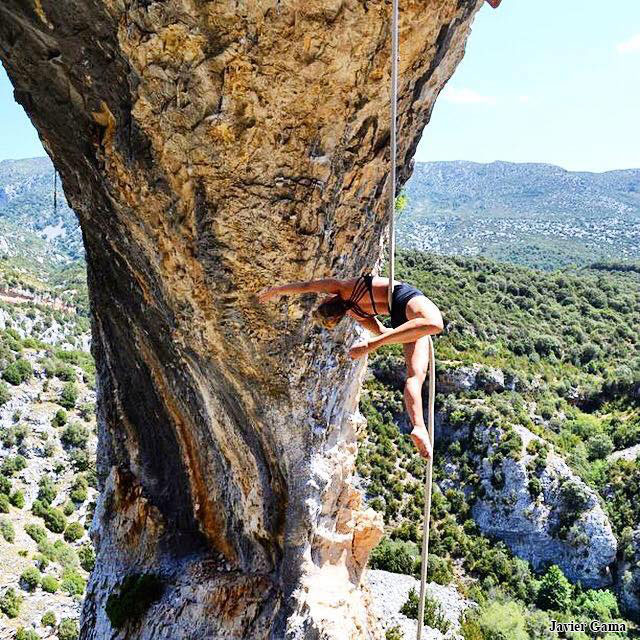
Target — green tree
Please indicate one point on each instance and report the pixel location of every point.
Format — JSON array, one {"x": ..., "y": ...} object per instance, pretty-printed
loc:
[
  {"x": 68, "y": 629},
  {"x": 69, "y": 395},
  {"x": 73, "y": 532},
  {"x": 31, "y": 578},
  {"x": 73, "y": 583},
  {"x": 50, "y": 584},
  {"x": 555, "y": 590},
  {"x": 10, "y": 603},
  {"x": 48, "y": 619},
  {"x": 7, "y": 530},
  {"x": 75, "y": 435},
  {"x": 55, "y": 520},
  {"x": 87, "y": 557},
  {"x": 394, "y": 556},
  {"x": 5, "y": 396}
]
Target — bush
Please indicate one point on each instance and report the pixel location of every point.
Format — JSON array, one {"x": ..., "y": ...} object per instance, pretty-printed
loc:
[
  {"x": 17, "y": 499},
  {"x": 26, "y": 634},
  {"x": 36, "y": 532},
  {"x": 5, "y": 396},
  {"x": 503, "y": 621},
  {"x": 47, "y": 491},
  {"x": 135, "y": 595},
  {"x": 75, "y": 435},
  {"x": 599, "y": 446},
  {"x": 79, "y": 489},
  {"x": 68, "y": 395},
  {"x": 4, "y": 503},
  {"x": 7, "y": 530},
  {"x": 394, "y": 556},
  {"x": 432, "y": 615},
  {"x": 73, "y": 583},
  {"x": 48, "y": 619},
  {"x": 555, "y": 591},
  {"x": 55, "y": 520},
  {"x": 73, "y": 532},
  {"x": 68, "y": 629},
  {"x": 87, "y": 557},
  {"x": 5, "y": 485},
  {"x": 42, "y": 562},
  {"x": 80, "y": 459},
  {"x": 60, "y": 419},
  {"x": 31, "y": 578},
  {"x": 50, "y": 584},
  {"x": 17, "y": 372},
  {"x": 10, "y": 603},
  {"x": 12, "y": 465}
]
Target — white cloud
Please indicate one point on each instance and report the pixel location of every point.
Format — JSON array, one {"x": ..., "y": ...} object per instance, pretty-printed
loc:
[
  {"x": 466, "y": 96},
  {"x": 630, "y": 45},
  {"x": 524, "y": 99}
]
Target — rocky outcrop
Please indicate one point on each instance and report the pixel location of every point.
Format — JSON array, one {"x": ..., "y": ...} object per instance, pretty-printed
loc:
[
  {"x": 628, "y": 579},
  {"x": 451, "y": 377},
  {"x": 209, "y": 149},
  {"x": 546, "y": 515},
  {"x": 390, "y": 591}
]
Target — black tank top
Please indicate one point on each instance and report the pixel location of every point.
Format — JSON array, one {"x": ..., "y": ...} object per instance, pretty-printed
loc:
[{"x": 363, "y": 283}]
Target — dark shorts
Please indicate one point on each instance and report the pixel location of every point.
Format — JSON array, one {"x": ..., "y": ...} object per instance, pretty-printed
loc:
[{"x": 402, "y": 293}]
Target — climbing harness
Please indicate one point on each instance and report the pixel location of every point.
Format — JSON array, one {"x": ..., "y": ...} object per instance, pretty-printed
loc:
[{"x": 392, "y": 252}]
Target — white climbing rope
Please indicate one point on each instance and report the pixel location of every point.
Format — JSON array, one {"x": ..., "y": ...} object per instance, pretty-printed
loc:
[
  {"x": 394, "y": 103},
  {"x": 392, "y": 257},
  {"x": 427, "y": 487}
]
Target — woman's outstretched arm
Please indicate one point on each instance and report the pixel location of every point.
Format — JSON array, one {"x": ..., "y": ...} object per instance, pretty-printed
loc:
[{"x": 325, "y": 285}]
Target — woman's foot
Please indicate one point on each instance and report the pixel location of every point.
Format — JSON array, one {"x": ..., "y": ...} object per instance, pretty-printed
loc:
[{"x": 420, "y": 437}]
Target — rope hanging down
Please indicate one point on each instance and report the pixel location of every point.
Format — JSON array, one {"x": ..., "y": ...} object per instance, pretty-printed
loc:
[
  {"x": 427, "y": 487},
  {"x": 392, "y": 256},
  {"x": 394, "y": 107}
]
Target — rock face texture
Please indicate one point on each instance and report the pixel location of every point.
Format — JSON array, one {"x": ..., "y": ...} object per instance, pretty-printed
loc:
[
  {"x": 563, "y": 524},
  {"x": 210, "y": 148}
]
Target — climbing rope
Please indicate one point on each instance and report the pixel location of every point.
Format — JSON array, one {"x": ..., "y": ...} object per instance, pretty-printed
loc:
[
  {"x": 427, "y": 487},
  {"x": 55, "y": 195},
  {"x": 392, "y": 256},
  {"x": 394, "y": 106}
]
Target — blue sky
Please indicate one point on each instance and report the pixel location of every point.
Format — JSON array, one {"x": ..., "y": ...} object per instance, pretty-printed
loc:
[
  {"x": 542, "y": 81},
  {"x": 553, "y": 81}
]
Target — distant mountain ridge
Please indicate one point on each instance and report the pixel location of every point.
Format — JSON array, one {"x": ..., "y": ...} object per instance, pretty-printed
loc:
[{"x": 521, "y": 211}]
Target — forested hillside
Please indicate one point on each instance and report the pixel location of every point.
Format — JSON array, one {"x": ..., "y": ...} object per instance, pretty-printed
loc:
[
  {"x": 32, "y": 230},
  {"x": 48, "y": 483},
  {"x": 534, "y": 511}
]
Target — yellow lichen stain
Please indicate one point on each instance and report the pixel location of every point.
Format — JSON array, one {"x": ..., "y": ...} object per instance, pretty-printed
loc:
[
  {"x": 37, "y": 5},
  {"x": 222, "y": 132},
  {"x": 105, "y": 119},
  {"x": 207, "y": 511}
]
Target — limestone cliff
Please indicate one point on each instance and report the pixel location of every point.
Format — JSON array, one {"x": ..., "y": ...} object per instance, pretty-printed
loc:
[{"x": 208, "y": 149}]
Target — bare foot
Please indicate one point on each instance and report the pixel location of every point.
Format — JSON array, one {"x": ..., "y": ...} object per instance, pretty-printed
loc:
[{"x": 420, "y": 437}]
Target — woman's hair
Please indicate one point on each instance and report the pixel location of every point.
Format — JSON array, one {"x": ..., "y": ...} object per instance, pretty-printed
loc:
[{"x": 331, "y": 311}]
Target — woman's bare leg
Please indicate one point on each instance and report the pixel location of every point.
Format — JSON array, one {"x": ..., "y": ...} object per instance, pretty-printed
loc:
[{"x": 416, "y": 355}]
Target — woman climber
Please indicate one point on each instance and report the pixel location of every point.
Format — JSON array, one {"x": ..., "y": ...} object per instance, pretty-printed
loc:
[{"x": 413, "y": 318}]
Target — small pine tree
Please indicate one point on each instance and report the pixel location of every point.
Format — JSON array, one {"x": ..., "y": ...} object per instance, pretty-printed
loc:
[{"x": 555, "y": 590}]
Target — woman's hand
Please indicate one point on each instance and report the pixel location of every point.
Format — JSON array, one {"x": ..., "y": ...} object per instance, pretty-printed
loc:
[
  {"x": 359, "y": 350},
  {"x": 266, "y": 294}
]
